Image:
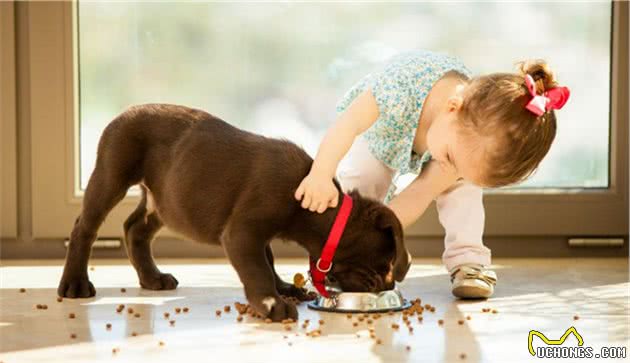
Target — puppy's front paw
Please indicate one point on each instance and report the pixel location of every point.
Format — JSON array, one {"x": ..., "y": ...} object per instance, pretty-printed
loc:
[
  {"x": 290, "y": 290},
  {"x": 274, "y": 308},
  {"x": 75, "y": 287},
  {"x": 160, "y": 282}
]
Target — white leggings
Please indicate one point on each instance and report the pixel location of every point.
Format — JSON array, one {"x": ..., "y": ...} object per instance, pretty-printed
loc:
[{"x": 460, "y": 210}]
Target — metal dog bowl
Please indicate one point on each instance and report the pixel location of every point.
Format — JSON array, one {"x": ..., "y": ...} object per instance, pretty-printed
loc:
[{"x": 360, "y": 302}]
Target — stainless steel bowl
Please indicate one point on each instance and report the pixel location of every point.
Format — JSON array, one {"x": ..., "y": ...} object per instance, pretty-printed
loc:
[{"x": 364, "y": 302}]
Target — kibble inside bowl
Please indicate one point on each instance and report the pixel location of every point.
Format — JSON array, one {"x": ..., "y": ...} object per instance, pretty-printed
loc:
[{"x": 365, "y": 302}]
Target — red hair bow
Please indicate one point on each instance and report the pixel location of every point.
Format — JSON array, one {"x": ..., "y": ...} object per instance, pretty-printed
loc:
[{"x": 552, "y": 99}]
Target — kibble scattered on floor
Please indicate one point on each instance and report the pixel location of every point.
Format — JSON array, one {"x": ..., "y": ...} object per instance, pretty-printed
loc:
[{"x": 243, "y": 309}]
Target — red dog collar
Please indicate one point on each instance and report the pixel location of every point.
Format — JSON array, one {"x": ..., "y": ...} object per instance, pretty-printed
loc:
[{"x": 320, "y": 268}]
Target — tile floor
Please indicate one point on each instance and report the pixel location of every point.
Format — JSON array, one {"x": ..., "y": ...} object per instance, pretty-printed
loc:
[{"x": 532, "y": 294}]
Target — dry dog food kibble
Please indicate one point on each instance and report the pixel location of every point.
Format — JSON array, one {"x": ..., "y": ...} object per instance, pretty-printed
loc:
[
  {"x": 115, "y": 350},
  {"x": 369, "y": 321},
  {"x": 130, "y": 310},
  {"x": 239, "y": 318},
  {"x": 298, "y": 280},
  {"x": 378, "y": 341},
  {"x": 321, "y": 322},
  {"x": 161, "y": 343},
  {"x": 137, "y": 315},
  {"x": 72, "y": 316},
  {"x": 395, "y": 326},
  {"x": 166, "y": 315},
  {"x": 576, "y": 317},
  {"x": 314, "y": 333},
  {"x": 462, "y": 356},
  {"x": 420, "y": 319},
  {"x": 73, "y": 336},
  {"x": 468, "y": 317},
  {"x": 218, "y": 313},
  {"x": 460, "y": 322},
  {"x": 22, "y": 289},
  {"x": 172, "y": 322},
  {"x": 494, "y": 311},
  {"x": 241, "y": 308},
  {"x": 408, "y": 348},
  {"x": 227, "y": 308},
  {"x": 108, "y": 326},
  {"x": 59, "y": 299},
  {"x": 441, "y": 322},
  {"x": 123, "y": 290},
  {"x": 133, "y": 334},
  {"x": 178, "y": 310},
  {"x": 355, "y": 324}
]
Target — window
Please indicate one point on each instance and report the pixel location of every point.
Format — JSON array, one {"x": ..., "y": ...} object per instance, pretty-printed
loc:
[{"x": 279, "y": 68}]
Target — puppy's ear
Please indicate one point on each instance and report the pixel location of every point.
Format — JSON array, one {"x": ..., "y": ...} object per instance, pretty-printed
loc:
[{"x": 387, "y": 220}]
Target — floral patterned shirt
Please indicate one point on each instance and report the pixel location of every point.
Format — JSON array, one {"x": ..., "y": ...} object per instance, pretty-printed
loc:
[{"x": 400, "y": 89}]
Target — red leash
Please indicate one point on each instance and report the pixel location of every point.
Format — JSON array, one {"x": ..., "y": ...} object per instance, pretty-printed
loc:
[{"x": 320, "y": 268}]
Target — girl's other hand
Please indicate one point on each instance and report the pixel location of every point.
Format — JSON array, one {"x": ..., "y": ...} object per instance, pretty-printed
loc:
[{"x": 317, "y": 192}]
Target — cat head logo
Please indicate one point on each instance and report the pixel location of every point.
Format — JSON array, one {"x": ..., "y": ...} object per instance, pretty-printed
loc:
[{"x": 564, "y": 336}]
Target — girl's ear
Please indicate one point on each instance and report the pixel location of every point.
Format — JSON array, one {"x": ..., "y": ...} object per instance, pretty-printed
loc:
[{"x": 455, "y": 102}]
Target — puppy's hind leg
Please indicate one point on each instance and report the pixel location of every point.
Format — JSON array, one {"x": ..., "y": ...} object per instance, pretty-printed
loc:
[
  {"x": 103, "y": 192},
  {"x": 140, "y": 228}
]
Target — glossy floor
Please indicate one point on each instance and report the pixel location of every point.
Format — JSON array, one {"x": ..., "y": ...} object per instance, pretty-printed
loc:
[{"x": 532, "y": 294}]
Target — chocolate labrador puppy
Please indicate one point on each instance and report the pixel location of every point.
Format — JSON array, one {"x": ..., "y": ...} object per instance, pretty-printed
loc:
[{"x": 215, "y": 183}]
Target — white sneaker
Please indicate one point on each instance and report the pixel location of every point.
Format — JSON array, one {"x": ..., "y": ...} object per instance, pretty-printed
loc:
[{"x": 472, "y": 281}]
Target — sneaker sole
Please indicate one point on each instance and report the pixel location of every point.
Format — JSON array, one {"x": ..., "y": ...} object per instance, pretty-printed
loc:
[{"x": 471, "y": 292}]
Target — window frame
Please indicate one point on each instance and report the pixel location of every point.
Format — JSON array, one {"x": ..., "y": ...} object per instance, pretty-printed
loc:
[
  {"x": 8, "y": 134},
  {"x": 54, "y": 117}
]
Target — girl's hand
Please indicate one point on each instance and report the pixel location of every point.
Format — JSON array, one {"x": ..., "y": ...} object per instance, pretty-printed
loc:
[{"x": 317, "y": 192}]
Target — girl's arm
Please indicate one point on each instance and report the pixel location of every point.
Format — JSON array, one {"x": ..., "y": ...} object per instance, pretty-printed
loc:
[
  {"x": 317, "y": 190},
  {"x": 411, "y": 203}
]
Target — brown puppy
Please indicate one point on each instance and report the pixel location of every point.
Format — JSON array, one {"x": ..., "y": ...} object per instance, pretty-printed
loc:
[{"x": 215, "y": 183}]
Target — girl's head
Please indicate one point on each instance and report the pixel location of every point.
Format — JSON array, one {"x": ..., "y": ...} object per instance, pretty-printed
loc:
[{"x": 487, "y": 132}]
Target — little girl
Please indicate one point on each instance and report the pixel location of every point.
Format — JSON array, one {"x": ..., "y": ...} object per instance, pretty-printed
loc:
[{"x": 425, "y": 114}]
